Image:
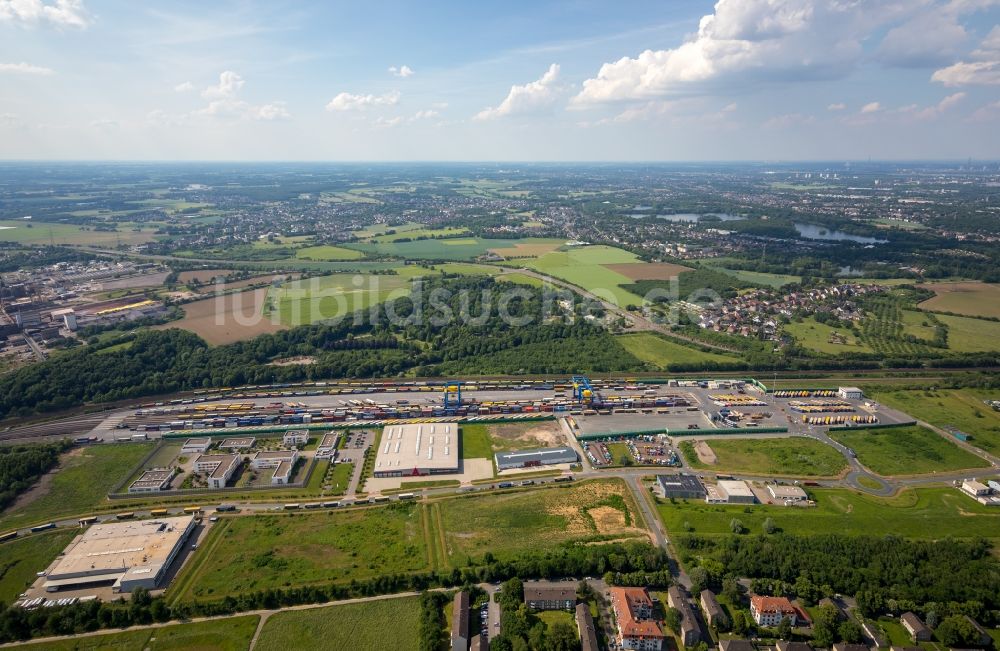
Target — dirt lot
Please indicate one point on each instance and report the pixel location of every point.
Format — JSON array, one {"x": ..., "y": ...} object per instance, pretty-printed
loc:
[
  {"x": 545, "y": 434},
  {"x": 146, "y": 280},
  {"x": 972, "y": 298},
  {"x": 705, "y": 453},
  {"x": 225, "y": 319},
  {"x": 246, "y": 282},
  {"x": 647, "y": 270},
  {"x": 526, "y": 250}
]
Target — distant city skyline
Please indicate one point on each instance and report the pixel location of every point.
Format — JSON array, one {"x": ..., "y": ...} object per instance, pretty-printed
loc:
[{"x": 683, "y": 80}]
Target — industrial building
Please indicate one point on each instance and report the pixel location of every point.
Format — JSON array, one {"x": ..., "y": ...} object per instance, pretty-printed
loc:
[
  {"x": 294, "y": 437},
  {"x": 680, "y": 486},
  {"x": 786, "y": 493},
  {"x": 416, "y": 449},
  {"x": 282, "y": 461},
  {"x": 127, "y": 555},
  {"x": 850, "y": 393},
  {"x": 152, "y": 481},
  {"x": 535, "y": 457},
  {"x": 219, "y": 468},
  {"x": 728, "y": 491},
  {"x": 196, "y": 446},
  {"x": 242, "y": 443},
  {"x": 327, "y": 447}
]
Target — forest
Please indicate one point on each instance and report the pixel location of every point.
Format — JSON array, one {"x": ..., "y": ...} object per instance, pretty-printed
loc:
[{"x": 883, "y": 574}]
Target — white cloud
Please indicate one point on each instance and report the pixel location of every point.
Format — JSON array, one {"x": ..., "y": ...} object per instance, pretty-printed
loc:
[
  {"x": 230, "y": 84},
  {"x": 9, "y": 119},
  {"x": 401, "y": 71},
  {"x": 425, "y": 115},
  {"x": 871, "y": 107},
  {"x": 61, "y": 13},
  {"x": 984, "y": 70},
  {"x": 387, "y": 123},
  {"x": 25, "y": 69},
  {"x": 932, "y": 112},
  {"x": 351, "y": 102},
  {"x": 184, "y": 87},
  {"x": 273, "y": 111},
  {"x": 528, "y": 97},
  {"x": 980, "y": 73},
  {"x": 745, "y": 43},
  {"x": 224, "y": 103},
  {"x": 838, "y": 106}
]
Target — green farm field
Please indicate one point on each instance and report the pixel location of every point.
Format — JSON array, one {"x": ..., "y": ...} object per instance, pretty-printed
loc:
[
  {"x": 507, "y": 524},
  {"x": 798, "y": 456},
  {"x": 327, "y": 253},
  {"x": 419, "y": 232},
  {"x": 970, "y": 335},
  {"x": 468, "y": 269},
  {"x": 661, "y": 353},
  {"x": 229, "y": 634},
  {"x": 907, "y": 451},
  {"x": 371, "y": 626},
  {"x": 516, "y": 278},
  {"x": 28, "y": 232},
  {"x": 755, "y": 277},
  {"x": 584, "y": 266},
  {"x": 960, "y": 408},
  {"x": 85, "y": 477},
  {"x": 327, "y": 297},
  {"x": 816, "y": 336},
  {"x": 923, "y": 513},
  {"x": 970, "y": 298},
  {"x": 456, "y": 248},
  {"x": 276, "y": 550},
  {"x": 21, "y": 558}
]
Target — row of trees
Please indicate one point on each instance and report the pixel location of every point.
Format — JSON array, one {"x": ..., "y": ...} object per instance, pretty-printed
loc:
[{"x": 19, "y": 624}]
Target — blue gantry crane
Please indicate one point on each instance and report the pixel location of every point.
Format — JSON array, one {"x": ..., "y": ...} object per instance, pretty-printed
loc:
[{"x": 452, "y": 395}]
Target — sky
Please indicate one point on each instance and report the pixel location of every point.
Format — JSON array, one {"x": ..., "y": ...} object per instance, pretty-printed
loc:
[{"x": 518, "y": 80}]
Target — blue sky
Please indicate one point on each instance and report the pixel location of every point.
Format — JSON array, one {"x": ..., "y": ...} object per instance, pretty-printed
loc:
[{"x": 432, "y": 80}]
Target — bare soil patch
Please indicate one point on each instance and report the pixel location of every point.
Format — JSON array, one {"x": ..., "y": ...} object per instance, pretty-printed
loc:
[
  {"x": 145, "y": 280},
  {"x": 971, "y": 298},
  {"x": 705, "y": 453},
  {"x": 293, "y": 361},
  {"x": 229, "y": 318},
  {"x": 608, "y": 519},
  {"x": 533, "y": 435},
  {"x": 647, "y": 270}
]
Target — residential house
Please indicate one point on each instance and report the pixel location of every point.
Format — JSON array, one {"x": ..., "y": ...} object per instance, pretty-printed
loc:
[
  {"x": 916, "y": 628},
  {"x": 585, "y": 625},
  {"x": 633, "y": 610},
  {"x": 690, "y": 631},
  {"x": 460, "y": 622},
  {"x": 714, "y": 614},
  {"x": 550, "y": 595},
  {"x": 769, "y": 611}
]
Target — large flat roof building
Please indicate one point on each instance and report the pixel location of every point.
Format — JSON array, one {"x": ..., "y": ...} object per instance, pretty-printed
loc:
[
  {"x": 152, "y": 481},
  {"x": 241, "y": 443},
  {"x": 535, "y": 457},
  {"x": 730, "y": 492},
  {"x": 416, "y": 449},
  {"x": 680, "y": 486},
  {"x": 126, "y": 554},
  {"x": 218, "y": 468}
]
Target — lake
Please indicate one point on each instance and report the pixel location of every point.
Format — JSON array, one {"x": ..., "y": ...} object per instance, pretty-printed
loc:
[
  {"x": 690, "y": 217},
  {"x": 814, "y": 232}
]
